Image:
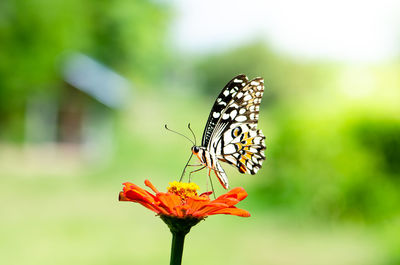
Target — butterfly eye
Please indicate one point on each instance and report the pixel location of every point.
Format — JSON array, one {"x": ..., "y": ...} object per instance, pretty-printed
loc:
[{"x": 195, "y": 149}]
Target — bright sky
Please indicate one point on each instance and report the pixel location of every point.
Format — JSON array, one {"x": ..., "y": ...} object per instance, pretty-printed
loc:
[{"x": 351, "y": 30}]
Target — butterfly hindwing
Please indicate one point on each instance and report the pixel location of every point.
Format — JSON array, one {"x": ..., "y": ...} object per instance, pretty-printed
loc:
[
  {"x": 221, "y": 175},
  {"x": 244, "y": 148}
]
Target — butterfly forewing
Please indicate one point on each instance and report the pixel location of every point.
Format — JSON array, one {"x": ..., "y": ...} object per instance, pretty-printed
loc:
[
  {"x": 245, "y": 107},
  {"x": 220, "y": 104}
]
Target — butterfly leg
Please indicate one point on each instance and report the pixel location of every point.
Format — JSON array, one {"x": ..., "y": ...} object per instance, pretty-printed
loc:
[
  {"x": 190, "y": 174},
  {"x": 212, "y": 186},
  {"x": 183, "y": 173}
]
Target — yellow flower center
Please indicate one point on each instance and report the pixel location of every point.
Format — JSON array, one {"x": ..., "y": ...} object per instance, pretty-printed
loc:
[{"x": 183, "y": 190}]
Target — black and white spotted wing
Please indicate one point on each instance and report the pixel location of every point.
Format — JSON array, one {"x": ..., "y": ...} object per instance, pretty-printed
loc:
[
  {"x": 235, "y": 138},
  {"x": 220, "y": 104},
  {"x": 231, "y": 133}
]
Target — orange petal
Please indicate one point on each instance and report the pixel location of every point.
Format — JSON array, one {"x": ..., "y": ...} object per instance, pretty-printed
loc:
[
  {"x": 181, "y": 210},
  {"x": 210, "y": 207},
  {"x": 138, "y": 191},
  {"x": 207, "y": 193},
  {"x": 241, "y": 194},
  {"x": 169, "y": 201},
  {"x": 150, "y": 185},
  {"x": 195, "y": 203},
  {"x": 139, "y": 196},
  {"x": 238, "y": 193},
  {"x": 135, "y": 193},
  {"x": 232, "y": 211},
  {"x": 122, "y": 197},
  {"x": 228, "y": 201}
]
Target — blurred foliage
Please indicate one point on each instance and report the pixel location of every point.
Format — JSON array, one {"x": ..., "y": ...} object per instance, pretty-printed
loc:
[
  {"x": 288, "y": 78},
  {"x": 381, "y": 138},
  {"x": 128, "y": 36},
  {"x": 329, "y": 173}
]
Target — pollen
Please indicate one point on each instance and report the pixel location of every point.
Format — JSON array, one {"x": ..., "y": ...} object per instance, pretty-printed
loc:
[{"x": 183, "y": 190}]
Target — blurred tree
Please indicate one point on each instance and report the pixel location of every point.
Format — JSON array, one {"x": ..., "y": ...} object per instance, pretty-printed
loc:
[
  {"x": 128, "y": 36},
  {"x": 332, "y": 168},
  {"x": 285, "y": 78},
  {"x": 382, "y": 139},
  {"x": 215, "y": 70}
]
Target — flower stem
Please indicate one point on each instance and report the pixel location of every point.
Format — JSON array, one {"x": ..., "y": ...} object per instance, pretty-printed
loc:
[
  {"x": 179, "y": 228},
  {"x": 178, "y": 239}
]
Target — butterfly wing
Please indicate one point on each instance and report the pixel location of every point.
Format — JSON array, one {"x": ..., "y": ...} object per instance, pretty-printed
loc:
[
  {"x": 221, "y": 175},
  {"x": 220, "y": 105},
  {"x": 244, "y": 148},
  {"x": 235, "y": 138}
]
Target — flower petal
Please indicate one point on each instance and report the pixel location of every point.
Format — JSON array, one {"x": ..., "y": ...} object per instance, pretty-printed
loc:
[
  {"x": 181, "y": 210},
  {"x": 228, "y": 201},
  {"x": 189, "y": 206},
  {"x": 237, "y": 193},
  {"x": 169, "y": 201},
  {"x": 150, "y": 185},
  {"x": 232, "y": 211},
  {"x": 122, "y": 197},
  {"x": 195, "y": 203},
  {"x": 134, "y": 193},
  {"x": 207, "y": 193},
  {"x": 210, "y": 207}
]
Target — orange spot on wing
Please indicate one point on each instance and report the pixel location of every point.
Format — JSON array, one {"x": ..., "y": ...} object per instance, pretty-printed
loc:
[
  {"x": 249, "y": 141},
  {"x": 242, "y": 168}
]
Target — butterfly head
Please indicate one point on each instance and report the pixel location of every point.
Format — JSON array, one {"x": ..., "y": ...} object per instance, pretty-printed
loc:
[{"x": 195, "y": 149}]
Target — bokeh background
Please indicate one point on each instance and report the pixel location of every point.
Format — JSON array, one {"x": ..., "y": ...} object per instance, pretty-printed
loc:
[{"x": 87, "y": 86}]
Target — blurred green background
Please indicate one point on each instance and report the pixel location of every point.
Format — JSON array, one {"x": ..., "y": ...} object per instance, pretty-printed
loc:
[{"x": 87, "y": 86}]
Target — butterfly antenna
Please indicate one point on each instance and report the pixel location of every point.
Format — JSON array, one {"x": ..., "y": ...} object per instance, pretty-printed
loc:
[
  {"x": 194, "y": 136},
  {"x": 166, "y": 127}
]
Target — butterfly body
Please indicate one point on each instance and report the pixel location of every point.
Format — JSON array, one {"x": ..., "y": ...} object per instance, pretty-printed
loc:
[
  {"x": 231, "y": 133},
  {"x": 209, "y": 160}
]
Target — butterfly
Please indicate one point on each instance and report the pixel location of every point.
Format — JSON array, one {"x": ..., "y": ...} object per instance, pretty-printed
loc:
[{"x": 231, "y": 133}]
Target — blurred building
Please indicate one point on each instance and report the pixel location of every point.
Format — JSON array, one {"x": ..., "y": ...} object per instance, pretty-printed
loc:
[{"x": 82, "y": 114}]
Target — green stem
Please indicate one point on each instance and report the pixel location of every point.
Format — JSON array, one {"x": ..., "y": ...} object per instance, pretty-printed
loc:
[
  {"x": 178, "y": 239},
  {"x": 179, "y": 228}
]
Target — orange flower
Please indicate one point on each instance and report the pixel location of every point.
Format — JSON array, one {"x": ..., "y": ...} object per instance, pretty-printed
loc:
[{"x": 182, "y": 201}]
